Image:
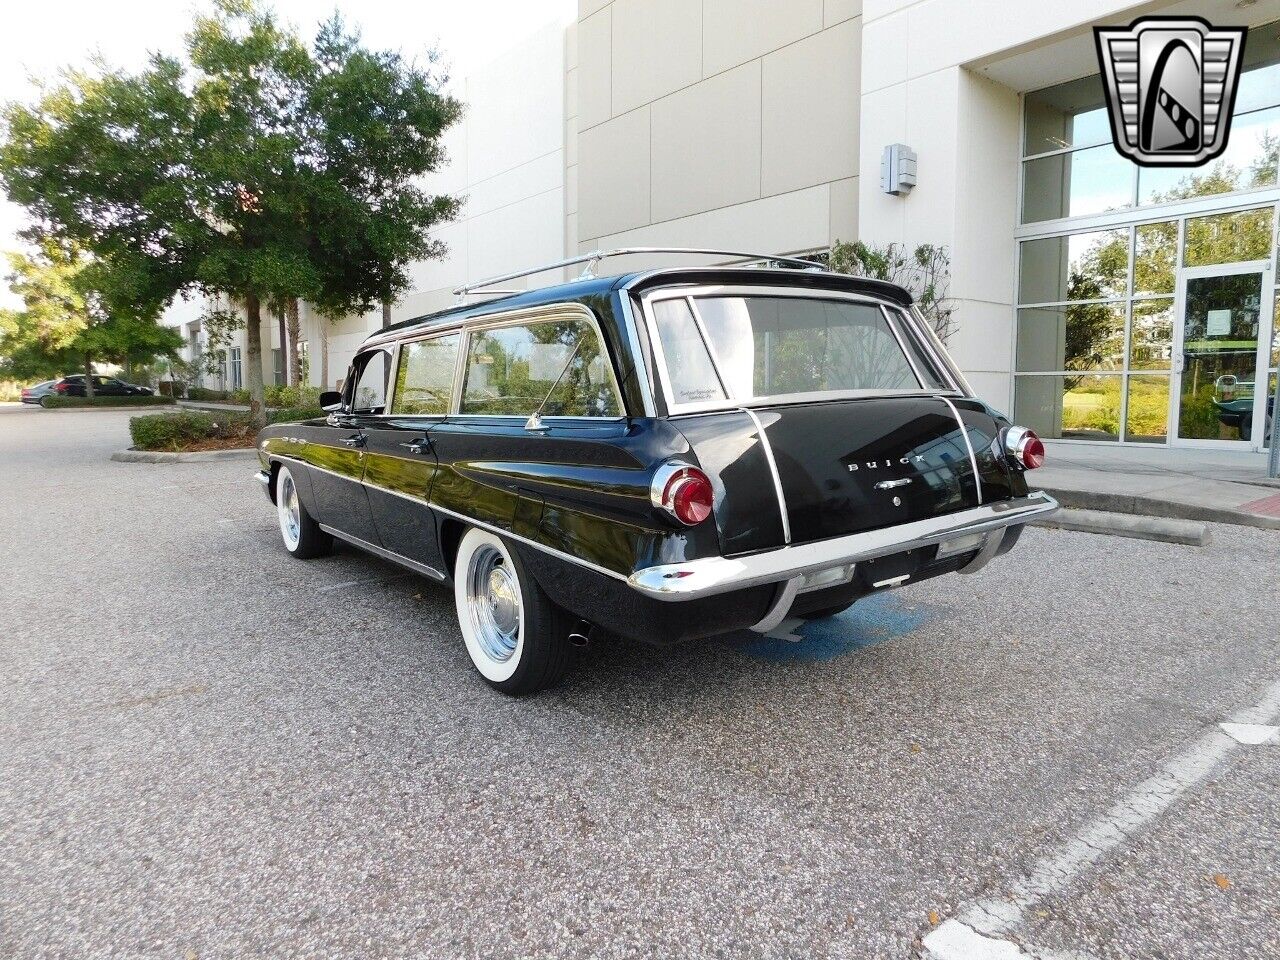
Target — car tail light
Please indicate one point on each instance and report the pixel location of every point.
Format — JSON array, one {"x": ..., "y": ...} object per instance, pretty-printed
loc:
[
  {"x": 684, "y": 492},
  {"x": 60, "y": 387},
  {"x": 1025, "y": 447}
]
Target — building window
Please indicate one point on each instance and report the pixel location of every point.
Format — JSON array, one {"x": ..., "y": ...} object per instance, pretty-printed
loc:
[
  {"x": 234, "y": 367},
  {"x": 1096, "y": 315},
  {"x": 1070, "y": 167},
  {"x": 277, "y": 368}
]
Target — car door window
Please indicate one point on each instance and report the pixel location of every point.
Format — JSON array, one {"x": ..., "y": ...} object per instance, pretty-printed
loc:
[
  {"x": 558, "y": 366},
  {"x": 424, "y": 380},
  {"x": 370, "y": 393}
]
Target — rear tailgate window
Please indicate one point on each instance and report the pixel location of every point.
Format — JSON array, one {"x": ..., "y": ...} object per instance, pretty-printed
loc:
[{"x": 753, "y": 347}]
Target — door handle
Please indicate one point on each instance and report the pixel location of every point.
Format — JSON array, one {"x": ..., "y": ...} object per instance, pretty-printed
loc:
[
  {"x": 418, "y": 446},
  {"x": 356, "y": 441}
]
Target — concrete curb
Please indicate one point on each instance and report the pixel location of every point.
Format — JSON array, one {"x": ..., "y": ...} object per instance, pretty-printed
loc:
[
  {"x": 159, "y": 456},
  {"x": 1155, "y": 507},
  {"x": 1127, "y": 525}
]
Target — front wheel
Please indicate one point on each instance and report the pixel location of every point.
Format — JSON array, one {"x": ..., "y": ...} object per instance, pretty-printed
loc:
[
  {"x": 301, "y": 534},
  {"x": 516, "y": 637}
]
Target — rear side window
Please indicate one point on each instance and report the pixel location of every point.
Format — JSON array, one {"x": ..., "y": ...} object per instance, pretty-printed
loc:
[
  {"x": 424, "y": 380},
  {"x": 689, "y": 368},
  {"x": 556, "y": 365}
]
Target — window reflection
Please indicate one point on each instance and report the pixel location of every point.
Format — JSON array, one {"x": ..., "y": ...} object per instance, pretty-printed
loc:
[
  {"x": 1085, "y": 407},
  {"x": 1147, "y": 420},
  {"x": 1155, "y": 257},
  {"x": 1260, "y": 75},
  {"x": 1151, "y": 335},
  {"x": 1251, "y": 160},
  {"x": 1083, "y": 266},
  {"x": 1229, "y": 238},
  {"x": 1071, "y": 114},
  {"x": 1076, "y": 184},
  {"x": 1085, "y": 336}
]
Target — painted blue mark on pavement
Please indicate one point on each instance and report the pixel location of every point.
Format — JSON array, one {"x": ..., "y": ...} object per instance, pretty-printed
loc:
[{"x": 873, "y": 619}]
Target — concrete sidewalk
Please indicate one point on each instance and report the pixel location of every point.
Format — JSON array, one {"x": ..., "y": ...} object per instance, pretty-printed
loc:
[{"x": 1215, "y": 486}]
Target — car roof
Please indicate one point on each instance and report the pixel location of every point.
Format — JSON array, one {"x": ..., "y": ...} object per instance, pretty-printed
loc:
[{"x": 583, "y": 290}]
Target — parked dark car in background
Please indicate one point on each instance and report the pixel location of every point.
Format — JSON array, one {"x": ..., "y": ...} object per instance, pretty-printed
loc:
[
  {"x": 38, "y": 391},
  {"x": 73, "y": 386},
  {"x": 663, "y": 455}
]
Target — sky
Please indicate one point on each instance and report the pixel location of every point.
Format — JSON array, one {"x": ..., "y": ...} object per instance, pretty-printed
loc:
[{"x": 38, "y": 38}]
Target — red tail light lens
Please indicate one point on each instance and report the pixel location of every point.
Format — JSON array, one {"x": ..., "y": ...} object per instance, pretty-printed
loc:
[
  {"x": 684, "y": 492},
  {"x": 1025, "y": 447},
  {"x": 60, "y": 387}
]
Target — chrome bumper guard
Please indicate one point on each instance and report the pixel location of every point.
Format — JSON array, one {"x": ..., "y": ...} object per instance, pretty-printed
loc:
[
  {"x": 264, "y": 478},
  {"x": 712, "y": 575}
]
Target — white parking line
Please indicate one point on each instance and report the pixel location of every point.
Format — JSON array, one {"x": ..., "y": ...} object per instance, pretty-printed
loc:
[
  {"x": 1250, "y": 734},
  {"x": 979, "y": 932}
]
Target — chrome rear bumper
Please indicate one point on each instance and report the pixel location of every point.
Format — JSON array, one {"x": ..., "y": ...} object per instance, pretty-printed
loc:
[{"x": 712, "y": 575}]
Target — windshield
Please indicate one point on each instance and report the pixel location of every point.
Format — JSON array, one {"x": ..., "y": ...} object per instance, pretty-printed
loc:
[{"x": 770, "y": 346}]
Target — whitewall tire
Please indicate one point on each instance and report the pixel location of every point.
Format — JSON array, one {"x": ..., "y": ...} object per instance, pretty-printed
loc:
[
  {"x": 301, "y": 534},
  {"x": 516, "y": 638}
]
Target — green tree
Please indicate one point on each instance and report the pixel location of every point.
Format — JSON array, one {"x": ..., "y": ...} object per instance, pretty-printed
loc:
[
  {"x": 255, "y": 166},
  {"x": 925, "y": 272},
  {"x": 76, "y": 310}
]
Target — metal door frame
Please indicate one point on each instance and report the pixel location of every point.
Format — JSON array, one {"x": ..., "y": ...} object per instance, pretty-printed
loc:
[{"x": 1261, "y": 356}]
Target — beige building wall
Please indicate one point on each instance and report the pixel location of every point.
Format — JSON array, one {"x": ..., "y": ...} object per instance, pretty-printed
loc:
[
  {"x": 945, "y": 77},
  {"x": 713, "y": 123}
]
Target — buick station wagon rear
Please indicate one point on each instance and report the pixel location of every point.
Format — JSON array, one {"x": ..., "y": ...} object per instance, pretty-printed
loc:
[{"x": 663, "y": 456}]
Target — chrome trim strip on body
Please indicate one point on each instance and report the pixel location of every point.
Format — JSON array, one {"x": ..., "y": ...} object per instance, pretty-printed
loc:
[
  {"x": 365, "y": 545},
  {"x": 973, "y": 456},
  {"x": 714, "y": 575},
  {"x": 773, "y": 469},
  {"x": 463, "y": 517}
]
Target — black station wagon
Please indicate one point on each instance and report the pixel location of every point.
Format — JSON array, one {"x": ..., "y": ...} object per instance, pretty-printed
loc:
[{"x": 662, "y": 455}]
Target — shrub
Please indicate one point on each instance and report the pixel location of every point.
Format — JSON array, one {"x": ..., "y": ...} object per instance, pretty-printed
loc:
[
  {"x": 204, "y": 395},
  {"x": 169, "y": 431},
  {"x": 181, "y": 431},
  {"x": 55, "y": 402},
  {"x": 292, "y": 414},
  {"x": 238, "y": 396},
  {"x": 305, "y": 396}
]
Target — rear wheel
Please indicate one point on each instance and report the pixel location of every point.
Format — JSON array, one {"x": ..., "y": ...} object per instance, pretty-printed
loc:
[
  {"x": 301, "y": 534},
  {"x": 44, "y": 401},
  {"x": 517, "y": 638}
]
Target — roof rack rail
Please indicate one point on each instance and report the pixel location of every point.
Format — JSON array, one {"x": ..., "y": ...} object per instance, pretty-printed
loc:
[{"x": 594, "y": 258}]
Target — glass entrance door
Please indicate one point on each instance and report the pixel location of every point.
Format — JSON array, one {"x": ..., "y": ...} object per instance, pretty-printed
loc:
[{"x": 1219, "y": 359}]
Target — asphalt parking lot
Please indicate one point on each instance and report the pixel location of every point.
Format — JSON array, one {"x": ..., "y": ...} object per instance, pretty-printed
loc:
[{"x": 209, "y": 749}]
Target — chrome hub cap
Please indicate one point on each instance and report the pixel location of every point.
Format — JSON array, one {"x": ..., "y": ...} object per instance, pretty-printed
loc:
[
  {"x": 290, "y": 513},
  {"x": 493, "y": 598}
]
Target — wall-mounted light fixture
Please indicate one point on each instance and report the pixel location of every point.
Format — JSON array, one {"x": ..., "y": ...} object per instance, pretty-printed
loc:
[{"x": 897, "y": 169}]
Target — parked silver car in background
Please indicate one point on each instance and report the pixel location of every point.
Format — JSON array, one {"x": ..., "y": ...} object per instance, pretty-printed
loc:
[{"x": 38, "y": 391}]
